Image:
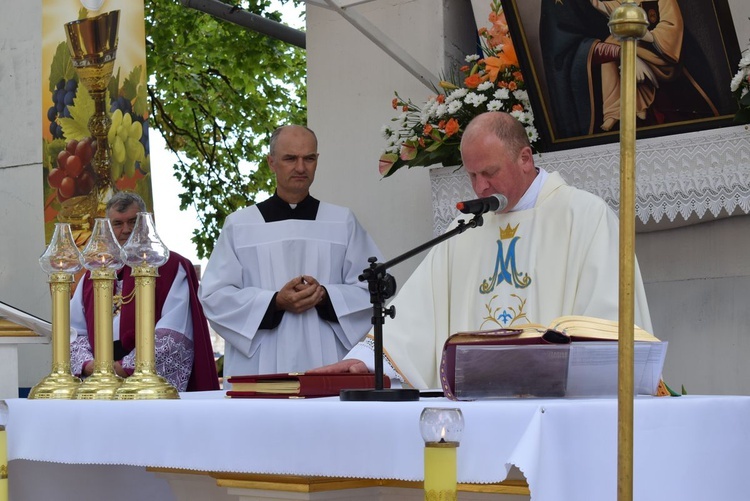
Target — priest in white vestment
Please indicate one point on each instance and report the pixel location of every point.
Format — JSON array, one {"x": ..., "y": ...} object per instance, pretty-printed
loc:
[
  {"x": 281, "y": 286},
  {"x": 552, "y": 251}
]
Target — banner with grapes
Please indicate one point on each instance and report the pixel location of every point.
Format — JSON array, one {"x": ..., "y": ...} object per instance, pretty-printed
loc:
[{"x": 74, "y": 192}]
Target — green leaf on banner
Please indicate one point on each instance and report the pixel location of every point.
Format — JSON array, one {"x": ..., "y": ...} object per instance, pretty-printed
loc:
[
  {"x": 130, "y": 85},
  {"x": 61, "y": 67},
  {"x": 114, "y": 85},
  {"x": 77, "y": 126}
]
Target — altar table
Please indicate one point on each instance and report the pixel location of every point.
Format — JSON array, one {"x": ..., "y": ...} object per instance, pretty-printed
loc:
[{"x": 686, "y": 448}]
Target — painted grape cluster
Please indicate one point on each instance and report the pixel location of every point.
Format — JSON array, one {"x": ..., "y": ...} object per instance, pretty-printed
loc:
[{"x": 73, "y": 175}]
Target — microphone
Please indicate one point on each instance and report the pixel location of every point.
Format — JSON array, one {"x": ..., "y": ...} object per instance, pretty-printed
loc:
[{"x": 496, "y": 202}]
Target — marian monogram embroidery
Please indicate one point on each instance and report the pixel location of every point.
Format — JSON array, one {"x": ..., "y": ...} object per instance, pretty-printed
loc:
[
  {"x": 505, "y": 264},
  {"x": 505, "y": 271}
]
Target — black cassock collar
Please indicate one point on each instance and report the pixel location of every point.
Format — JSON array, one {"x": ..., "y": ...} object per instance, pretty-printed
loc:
[{"x": 276, "y": 209}]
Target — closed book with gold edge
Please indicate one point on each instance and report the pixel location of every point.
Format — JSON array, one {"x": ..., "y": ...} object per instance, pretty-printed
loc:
[
  {"x": 573, "y": 356},
  {"x": 299, "y": 385}
]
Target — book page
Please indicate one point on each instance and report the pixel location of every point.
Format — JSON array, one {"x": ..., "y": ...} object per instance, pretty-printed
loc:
[{"x": 593, "y": 369}]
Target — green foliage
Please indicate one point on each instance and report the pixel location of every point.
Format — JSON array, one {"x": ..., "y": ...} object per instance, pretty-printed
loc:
[{"x": 217, "y": 91}]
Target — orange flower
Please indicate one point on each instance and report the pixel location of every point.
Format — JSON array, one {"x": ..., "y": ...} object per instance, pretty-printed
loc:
[
  {"x": 518, "y": 76},
  {"x": 441, "y": 124},
  {"x": 464, "y": 68},
  {"x": 512, "y": 86},
  {"x": 441, "y": 98},
  {"x": 421, "y": 142},
  {"x": 404, "y": 108},
  {"x": 482, "y": 30},
  {"x": 451, "y": 127},
  {"x": 427, "y": 129},
  {"x": 394, "y": 103},
  {"x": 472, "y": 81},
  {"x": 517, "y": 107}
]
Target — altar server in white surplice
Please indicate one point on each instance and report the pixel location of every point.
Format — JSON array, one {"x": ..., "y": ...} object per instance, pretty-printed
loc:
[
  {"x": 552, "y": 252},
  {"x": 281, "y": 285}
]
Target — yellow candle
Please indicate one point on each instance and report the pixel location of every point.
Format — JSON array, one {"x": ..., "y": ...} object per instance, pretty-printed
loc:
[
  {"x": 440, "y": 471},
  {"x": 3, "y": 465}
]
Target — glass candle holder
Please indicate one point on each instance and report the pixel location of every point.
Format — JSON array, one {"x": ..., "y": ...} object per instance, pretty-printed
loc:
[
  {"x": 60, "y": 261},
  {"x": 441, "y": 430},
  {"x": 101, "y": 257},
  {"x": 144, "y": 252}
]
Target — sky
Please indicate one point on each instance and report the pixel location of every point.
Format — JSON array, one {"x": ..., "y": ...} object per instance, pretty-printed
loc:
[{"x": 175, "y": 227}]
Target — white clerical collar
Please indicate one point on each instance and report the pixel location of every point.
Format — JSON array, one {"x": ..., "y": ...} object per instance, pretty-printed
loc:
[{"x": 528, "y": 200}]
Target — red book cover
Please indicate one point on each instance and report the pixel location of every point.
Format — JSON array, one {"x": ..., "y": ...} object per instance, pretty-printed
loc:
[{"x": 299, "y": 385}]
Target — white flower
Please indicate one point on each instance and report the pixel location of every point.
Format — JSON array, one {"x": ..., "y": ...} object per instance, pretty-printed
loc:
[
  {"x": 494, "y": 105},
  {"x": 502, "y": 94},
  {"x": 471, "y": 58},
  {"x": 440, "y": 111},
  {"x": 745, "y": 61},
  {"x": 454, "y": 106},
  {"x": 737, "y": 80},
  {"x": 485, "y": 86},
  {"x": 456, "y": 94},
  {"x": 521, "y": 95},
  {"x": 475, "y": 99},
  {"x": 532, "y": 133},
  {"x": 518, "y": 115},
  {"x": 386, "y": 131}
]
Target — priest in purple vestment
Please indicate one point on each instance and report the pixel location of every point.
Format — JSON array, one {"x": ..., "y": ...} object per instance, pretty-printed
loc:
[{"x": 184, "y": 355}]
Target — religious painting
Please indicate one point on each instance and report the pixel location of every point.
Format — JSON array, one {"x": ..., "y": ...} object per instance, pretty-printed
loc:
[
  {"x": 93, "y": 66},
  {"x": 571, "y": 61}
]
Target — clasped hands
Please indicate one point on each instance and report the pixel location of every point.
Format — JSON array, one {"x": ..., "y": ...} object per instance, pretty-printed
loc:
[{"x": 300, "y": 294}]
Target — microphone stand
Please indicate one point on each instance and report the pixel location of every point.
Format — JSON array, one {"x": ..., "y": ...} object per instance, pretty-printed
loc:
[{"x": 382, "y": 286}]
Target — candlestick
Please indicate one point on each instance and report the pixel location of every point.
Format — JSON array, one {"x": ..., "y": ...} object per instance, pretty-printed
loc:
[
  {"x": 60, "y": 261},
  {"x": 101, "y": 257},
  {"x": 3, "y": 464},
  {"x": 144, "y": 252},
  {"x": 441, "y": 430}
]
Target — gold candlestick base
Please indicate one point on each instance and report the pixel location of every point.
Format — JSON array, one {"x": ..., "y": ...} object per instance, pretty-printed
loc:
[
  {"x": 101, "y": 385},
  {"x": 146, "y": 385},
  {"x": 59, "y": 385}
]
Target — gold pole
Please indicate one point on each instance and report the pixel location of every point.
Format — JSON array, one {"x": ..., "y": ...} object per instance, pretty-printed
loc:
[
  {"x": 628, "y": 23},
  {"x": 103, "y": 382},
  {"x": 145, "y": 383},
  {"x": 60, "y": 383},
  {"x": 3, "y": 464}
]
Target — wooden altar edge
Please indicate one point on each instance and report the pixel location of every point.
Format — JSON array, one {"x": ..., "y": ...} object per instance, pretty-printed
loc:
[{"x": 311, "y": 484}]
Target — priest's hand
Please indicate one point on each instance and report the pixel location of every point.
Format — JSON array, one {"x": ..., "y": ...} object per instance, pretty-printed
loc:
[
  {"x": 352, "y": 366},
  {"x": 300, "y": 294}
]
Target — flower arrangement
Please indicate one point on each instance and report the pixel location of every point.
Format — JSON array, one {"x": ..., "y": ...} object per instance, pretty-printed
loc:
[
  {"x": 740, "y": 87},
  {"x": 430, "y": 134}
]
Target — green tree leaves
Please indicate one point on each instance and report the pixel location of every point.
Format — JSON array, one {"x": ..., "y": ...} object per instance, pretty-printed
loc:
[{"x": 217, "y": 91}]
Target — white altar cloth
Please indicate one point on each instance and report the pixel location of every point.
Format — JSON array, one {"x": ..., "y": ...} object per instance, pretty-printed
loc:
[{"x": 687, "y": 448}]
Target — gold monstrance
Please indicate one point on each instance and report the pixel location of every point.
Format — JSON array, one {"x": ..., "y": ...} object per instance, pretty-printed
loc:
[
  {"x": 60, "y": 261},
  {"x": 101, "y": 257},
  {"x": 144, "y": 252},
  {"x": 93, "y": 46}
]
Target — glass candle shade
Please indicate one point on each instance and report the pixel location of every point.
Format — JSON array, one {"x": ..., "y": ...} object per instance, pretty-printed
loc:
[
  {"x": 62, "y": 254},
  {"x": 60, "y": 261},
  {"x": 102, "y": 250},
  {"x": 441, "y": 430},
  {"x": 144, "y": 247}
]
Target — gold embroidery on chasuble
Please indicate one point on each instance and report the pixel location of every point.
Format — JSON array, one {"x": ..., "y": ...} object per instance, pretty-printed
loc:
[{"x": 505, "y": 309}]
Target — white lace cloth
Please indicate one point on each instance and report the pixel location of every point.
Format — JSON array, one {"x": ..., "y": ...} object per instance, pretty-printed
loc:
[
  {"x": 567, "y": 448},
  {"x": 699, "y": 175}
]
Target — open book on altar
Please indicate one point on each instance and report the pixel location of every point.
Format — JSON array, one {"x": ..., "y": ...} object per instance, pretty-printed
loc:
[{"x": 573, "y": 356}]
